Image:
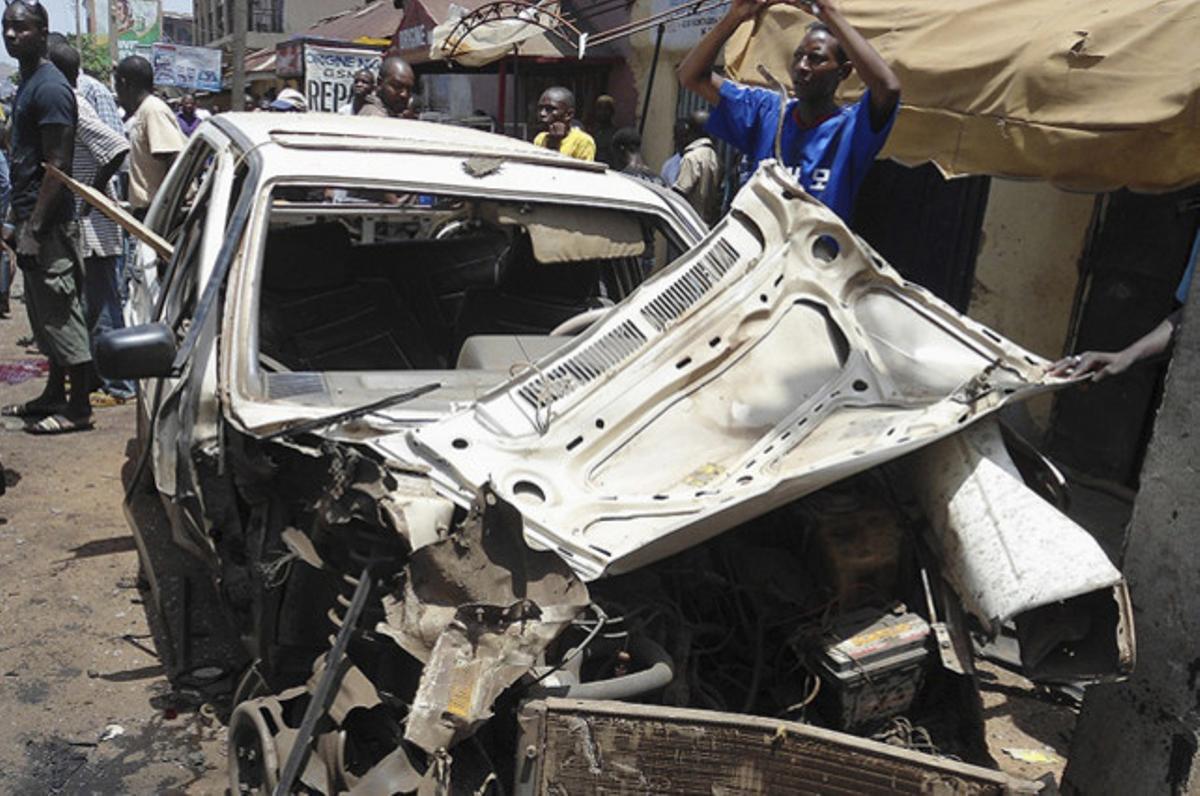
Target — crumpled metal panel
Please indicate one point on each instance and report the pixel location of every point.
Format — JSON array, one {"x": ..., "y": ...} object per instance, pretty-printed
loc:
[
  {"x": 1012, "y": 556},
  {"x": 478, "y": 608},
  {"x": 755, "y": 370}
]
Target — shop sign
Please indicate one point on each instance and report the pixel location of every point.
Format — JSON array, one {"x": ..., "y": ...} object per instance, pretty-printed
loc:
[
  {"x": 329, "y": 74},
  {"x": 193, "y": 68},
  {"x": 412, "y": 38}
]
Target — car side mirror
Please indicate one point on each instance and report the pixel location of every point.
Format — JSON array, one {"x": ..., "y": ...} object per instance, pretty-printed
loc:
[{"x": 136, "y": 352}]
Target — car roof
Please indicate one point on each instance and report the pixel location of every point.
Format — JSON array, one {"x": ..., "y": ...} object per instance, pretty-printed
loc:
[
  {"x": 375, "y": 133},
  {"x": 331, "y": 147}
]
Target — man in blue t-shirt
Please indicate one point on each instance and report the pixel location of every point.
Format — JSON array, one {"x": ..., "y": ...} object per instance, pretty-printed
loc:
[
  {"x": 46, "y": 238},
  {"x": 828, "y": 148}
]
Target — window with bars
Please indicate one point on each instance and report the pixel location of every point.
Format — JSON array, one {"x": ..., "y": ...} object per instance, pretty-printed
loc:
[{"x": 266, "y": 16}]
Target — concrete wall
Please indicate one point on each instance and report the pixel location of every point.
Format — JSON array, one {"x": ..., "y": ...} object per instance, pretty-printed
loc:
[
  {"x": 1028, "y": 266},
  {"x": 657, "y": 143},
  {"x": 1141, "y": 736}
]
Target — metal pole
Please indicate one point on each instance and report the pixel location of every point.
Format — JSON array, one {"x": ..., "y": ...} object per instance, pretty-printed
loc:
[
  {"x": 501, "y": 110},
  {"x": 516, "y": 92},
  {"x": 662, "y": 29},
  {"x": 237, "y": 82},
  {"x": 326, "y": 690},
  {"x": 114, "y": 53},
  {"x": 79, "y": 25}
]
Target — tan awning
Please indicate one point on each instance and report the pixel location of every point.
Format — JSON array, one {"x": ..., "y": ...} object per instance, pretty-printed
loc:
[
  {"x": 261, "y": 62},
  {"x": 1089, "y": 95}
]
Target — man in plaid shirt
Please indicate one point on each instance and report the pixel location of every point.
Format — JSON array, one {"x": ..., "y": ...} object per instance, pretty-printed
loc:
[
  {"x": 99, "y": 152},
  {"x": 99, "y": 95}
]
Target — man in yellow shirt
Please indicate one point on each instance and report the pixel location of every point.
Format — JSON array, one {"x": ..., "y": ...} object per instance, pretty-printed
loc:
[{"x": 556, "y": 111}]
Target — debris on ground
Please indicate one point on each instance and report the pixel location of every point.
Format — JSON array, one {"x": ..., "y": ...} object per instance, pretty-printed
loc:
[{"x": 1036, "y": 756}]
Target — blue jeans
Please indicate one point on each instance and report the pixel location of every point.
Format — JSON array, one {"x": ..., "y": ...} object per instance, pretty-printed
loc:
[{"x": 102, "y": 309}]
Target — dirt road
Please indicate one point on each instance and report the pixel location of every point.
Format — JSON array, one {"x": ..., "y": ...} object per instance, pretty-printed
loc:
[{"x": 86, "y": 708}]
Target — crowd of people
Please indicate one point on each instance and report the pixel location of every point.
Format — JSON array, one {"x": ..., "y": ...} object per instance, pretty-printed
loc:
[{"x": 72, "y": 260}]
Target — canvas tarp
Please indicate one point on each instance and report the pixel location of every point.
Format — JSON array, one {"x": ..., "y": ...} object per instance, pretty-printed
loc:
[{"x": 1090, "y": 95}]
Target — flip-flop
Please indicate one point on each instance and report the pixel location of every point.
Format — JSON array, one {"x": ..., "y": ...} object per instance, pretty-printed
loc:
[
  {"x": 32, "y": 409},
  {"x": 59, "y": 424}
]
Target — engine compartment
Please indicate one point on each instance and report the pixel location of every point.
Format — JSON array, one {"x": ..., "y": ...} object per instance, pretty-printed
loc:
[{"x": 745, "y": 623}]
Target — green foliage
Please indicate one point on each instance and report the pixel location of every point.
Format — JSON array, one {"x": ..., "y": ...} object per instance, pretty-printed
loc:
[{"x": 94, "y": 56}]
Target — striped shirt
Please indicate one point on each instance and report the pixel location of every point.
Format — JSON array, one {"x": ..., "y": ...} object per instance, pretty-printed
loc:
[
  {"x": 102, "y": 100},
  {"x": 95, "y": 145}
]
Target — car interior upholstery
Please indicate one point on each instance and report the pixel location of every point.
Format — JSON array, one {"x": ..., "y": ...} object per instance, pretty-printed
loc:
[{"x": 329, "y": 304}]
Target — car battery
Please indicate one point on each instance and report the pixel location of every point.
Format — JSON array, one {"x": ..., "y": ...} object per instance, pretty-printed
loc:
[{"x": 871, "y": 666}]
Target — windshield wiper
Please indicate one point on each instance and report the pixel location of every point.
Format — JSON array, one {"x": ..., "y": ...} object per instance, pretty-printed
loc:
[{"x": 352, "y": 414}]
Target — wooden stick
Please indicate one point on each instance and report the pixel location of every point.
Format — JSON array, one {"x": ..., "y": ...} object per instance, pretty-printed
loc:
[{"x": 109, "y": 208}]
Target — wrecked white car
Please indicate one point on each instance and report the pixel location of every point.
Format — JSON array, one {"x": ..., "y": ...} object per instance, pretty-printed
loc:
[{"x": 452, "y": 496}]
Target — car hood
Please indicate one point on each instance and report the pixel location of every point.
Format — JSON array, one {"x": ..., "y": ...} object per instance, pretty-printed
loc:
[{"x": 780, "y": 355}]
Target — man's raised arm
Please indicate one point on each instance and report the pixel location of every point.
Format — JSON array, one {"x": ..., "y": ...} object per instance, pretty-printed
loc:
[{"x": 695, "y": 72}]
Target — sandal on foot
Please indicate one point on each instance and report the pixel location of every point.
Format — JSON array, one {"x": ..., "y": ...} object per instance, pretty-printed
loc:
[
  {"x": 32, "y": 409},
  {"x": 102, "y": 400},
  {"x": 59, "y": 424}
]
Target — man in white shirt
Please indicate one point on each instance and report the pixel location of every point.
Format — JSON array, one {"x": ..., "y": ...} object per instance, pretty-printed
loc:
[{"x": 155, "y": 139}]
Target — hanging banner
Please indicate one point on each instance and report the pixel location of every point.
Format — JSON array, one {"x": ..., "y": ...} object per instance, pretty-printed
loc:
[
  {"x": 329, "y": 74},
  {"x": 138, "y": 24},
  {"x": 128, "y": 48},
  {"x": 194, "y": 68}
]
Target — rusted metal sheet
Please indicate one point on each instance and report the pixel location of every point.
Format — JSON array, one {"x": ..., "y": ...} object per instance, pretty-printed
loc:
[{"x": 582, "y": 747}]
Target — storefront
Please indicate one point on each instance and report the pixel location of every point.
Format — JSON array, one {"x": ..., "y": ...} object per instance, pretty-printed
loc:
[
  {"x": 506, "y": 90},
  {"x": 321, "y": 61}
]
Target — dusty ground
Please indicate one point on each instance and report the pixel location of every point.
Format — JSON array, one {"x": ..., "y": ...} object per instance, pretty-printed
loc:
[{"x": 86, "y": 708}]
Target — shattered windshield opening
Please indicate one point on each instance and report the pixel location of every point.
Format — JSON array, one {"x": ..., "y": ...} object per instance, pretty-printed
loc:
[{"x": 372, "y": 281}]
